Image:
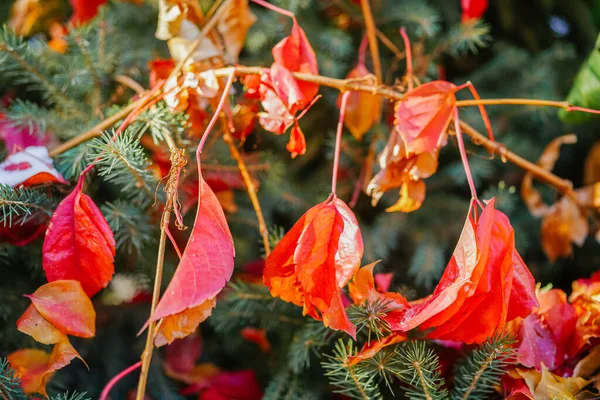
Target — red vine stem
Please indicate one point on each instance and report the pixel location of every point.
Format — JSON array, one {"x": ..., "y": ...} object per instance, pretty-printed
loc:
[
  {"x": 338, "y": 142},
  {"x": 115, "y": 379},
  {"x": 409, "y": 68},
  {"x": 216, "y": 114},
  {"x": 463, "y": 155},
  {"x": 362, "y": 50},
  {"x": 278, "y": 10}
]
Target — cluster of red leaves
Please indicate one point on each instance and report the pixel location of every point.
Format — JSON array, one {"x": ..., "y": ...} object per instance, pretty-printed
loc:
[
  {"x": 58, "y": 309},
  {"x": 315, "y": 260},
  {"x": 556, "y": 343},
  {"x": 282, "y": 96},
  {"x": 208, "y": 380}
]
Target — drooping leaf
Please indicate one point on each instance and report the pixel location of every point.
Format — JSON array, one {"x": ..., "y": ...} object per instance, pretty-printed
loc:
[
  {"x": 206, "y": 264},
  {"x": 233, "y": 26},
  {"x": 315, "y": 260},
  {"x": 363, "y": 108},
  {"x": 32, "y": 166},
  {"x": 397, "y": 170},
  {"x": 79, "y": 244},
  {"x": 65, "y": 305},
  {"x": 476, "y": 296},
  {"x": 30, "y": 364},
  {"x": 423, "y": 115},
  {"x": 294, "y": 54},
  {"x": 547, "y": 386},
  {"x": 297, "y": 144}
]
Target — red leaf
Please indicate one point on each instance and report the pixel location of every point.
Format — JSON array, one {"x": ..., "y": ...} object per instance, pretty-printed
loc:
[
  {"x": 423, "y": 116},
  {"x": 297, "y": 144},
  {"x": 66, "y": 306},
  {"x": 473, "y": 9},
  {"x": 315, "y": 260},
  {"x": 79, "y": 244},
  {"x": 277, "y": 117},
  {"x": 20, "y": 137},
  {"x": 207, "y": 262},
  {"x": 160, "y": 69},
  {"x": 471, "y": 302},
  {"x": 21, "y": 235},
  {"x": 258, "y": 336},
  {"x": 84, "y": 10},
  {"x": 32, "y": 166},
  {"x": 295, "y": 54},
  {"x": 237, "y": 385},
  {"x": 546, "y": 336},
  {"x": 181, "y": 355}
]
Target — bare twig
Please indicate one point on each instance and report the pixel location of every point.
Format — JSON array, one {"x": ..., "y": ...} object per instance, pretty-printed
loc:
[{"x": 372, "y": 35}]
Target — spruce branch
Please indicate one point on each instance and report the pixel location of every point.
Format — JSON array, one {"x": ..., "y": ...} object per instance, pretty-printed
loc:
[
  {"x": 10, "y": 384},
  {"x": 354, "y": 381},
  {"x": 482, "y": 369},
  {"x": 308, "y": 340},
  {"x": 73, "y": 396},
  {"x": 371, "y": 315},
  {"x": 131, "y": 226},
  {"x": 288, "y": 386},
  {"x": 19, "y": 205},
  {"x": 244, "y": 304},
  {"x": 121, "y": 157},
  {"x": 418, "y": 367}
]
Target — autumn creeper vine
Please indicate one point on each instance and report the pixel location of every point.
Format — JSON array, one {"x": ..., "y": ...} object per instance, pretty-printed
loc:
[{"x": 485, "y": 290}]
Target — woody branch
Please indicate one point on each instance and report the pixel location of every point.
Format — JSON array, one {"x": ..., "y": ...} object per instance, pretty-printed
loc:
[{"x": 563, "y": 186}]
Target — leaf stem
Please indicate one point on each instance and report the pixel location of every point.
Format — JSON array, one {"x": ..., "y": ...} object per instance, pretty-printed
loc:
[
  {"x": 372, "y": 35},
  {"x": 273, "y": 7},
  {"x": 409, "y": 67},
  {"x": 565, "y": 105},
  {"x": 115, "y": 379},
  {"x": 338, "y": 142},
  {"x": 217, "y": 111},
  {"x": 463, "y": 155}
]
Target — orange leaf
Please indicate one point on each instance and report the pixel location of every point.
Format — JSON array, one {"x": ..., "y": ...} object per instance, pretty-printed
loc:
[
  {"x": 315, "y": 259},
  {"x": 233, "y": 26},
  {"x": 412, "y": 195},
  {"x": 370, "y": 349},
  {"x": 31, "y": 365},
  {"x": 297, "y": 144},
  {"x": 363, "y": 108},
  {"x": 33, "y": 324},
  {"x": 591, "y": 170},
  {"x": 564, "y": 223},
  {"x": 399, "y": 171},
  {"x": 79, "y": 244},
  {"x": 36, "y": 367},
  {"x": 66, "y": 306},
  {"x": 180, "y": 325}
]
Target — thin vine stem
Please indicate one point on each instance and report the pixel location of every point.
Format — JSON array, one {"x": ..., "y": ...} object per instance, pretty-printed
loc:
[
  {"x": 338, "y": 142},
  {"x": 115, "y": 379},
  {"x": 463, "y": 155}
]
